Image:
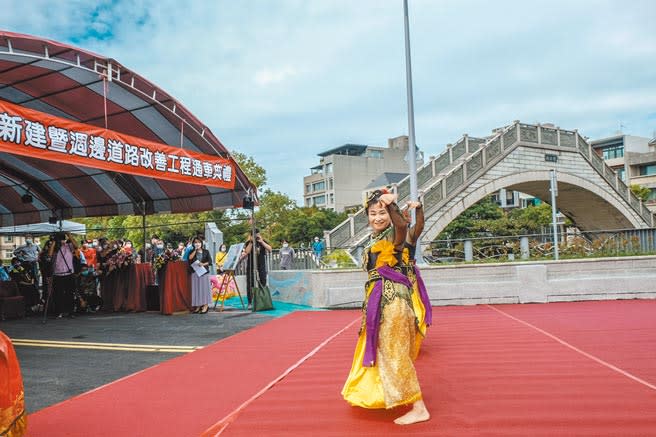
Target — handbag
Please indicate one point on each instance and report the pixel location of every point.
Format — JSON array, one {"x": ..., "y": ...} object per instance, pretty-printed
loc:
[{"x": 262, "y": 299}]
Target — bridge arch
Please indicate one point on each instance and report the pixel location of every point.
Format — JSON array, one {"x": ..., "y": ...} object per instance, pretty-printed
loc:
[{"x": 589, "y": 206}]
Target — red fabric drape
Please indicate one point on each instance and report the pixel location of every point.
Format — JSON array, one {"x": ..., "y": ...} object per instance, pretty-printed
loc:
[
  {"x": 175, "y": 287},
  {"x": 140, "y": 277},
  {"x": 13, "y": 420}
]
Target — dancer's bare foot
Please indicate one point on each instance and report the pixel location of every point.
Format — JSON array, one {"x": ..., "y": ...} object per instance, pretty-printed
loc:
[{"x": 419, "y": 413}]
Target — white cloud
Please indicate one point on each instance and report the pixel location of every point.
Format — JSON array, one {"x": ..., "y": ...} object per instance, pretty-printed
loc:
[
  {"x": 285, "y": 80},
  {"x": 269, "y": 76}
]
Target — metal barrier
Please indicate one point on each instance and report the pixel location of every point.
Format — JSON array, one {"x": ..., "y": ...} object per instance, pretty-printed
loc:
[{"x": 572, "y": 244}]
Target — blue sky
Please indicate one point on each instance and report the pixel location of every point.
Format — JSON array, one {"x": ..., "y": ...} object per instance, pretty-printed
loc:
[{"x": 282, "y": 80}]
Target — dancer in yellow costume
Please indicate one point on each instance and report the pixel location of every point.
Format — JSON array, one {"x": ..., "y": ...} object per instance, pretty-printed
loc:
[
  {"x": 382, "y": 374},
  {"x": 420, "y": 300}
]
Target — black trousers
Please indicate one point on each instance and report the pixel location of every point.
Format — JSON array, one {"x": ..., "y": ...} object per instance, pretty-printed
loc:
[{"x": 63, "y": 288}]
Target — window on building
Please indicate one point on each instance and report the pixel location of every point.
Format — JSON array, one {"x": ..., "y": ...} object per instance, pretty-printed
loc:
[
  {"x": 652, "y": 195},
  {"x": 9, "y": 239},
  {"x": 374, "y": 153},
  {"x": 329, "y": 168},
  {"x": 9, "y": 254},
  {"x": 319, "y": 186},
  {"x": 330, "y": 183},
  {"x": 510, "y": 198},
  {"x": 648, "y": 170},
  {"x": 621, "y": 174},
  {"x": 319, "y": 200},
  {"x": 331, "y": 199},
  {"x": 308, "y": 202},
  {"x": 612, "y": 152}
]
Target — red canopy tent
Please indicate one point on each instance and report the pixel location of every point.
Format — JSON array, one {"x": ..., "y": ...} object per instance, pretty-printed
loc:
[{"x": 57, "y": 102}]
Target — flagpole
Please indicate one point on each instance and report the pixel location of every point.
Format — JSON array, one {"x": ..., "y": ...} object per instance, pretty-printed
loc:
[{"x": 411, "y": 124}]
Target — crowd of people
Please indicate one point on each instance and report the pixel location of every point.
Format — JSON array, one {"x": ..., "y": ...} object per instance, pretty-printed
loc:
[
  {"x": 396, "y": 309},
  {"x": 66, "y": 274}
]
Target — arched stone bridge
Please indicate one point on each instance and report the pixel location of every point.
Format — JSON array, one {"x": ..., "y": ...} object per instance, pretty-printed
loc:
[{"x": 518, "y": 157}]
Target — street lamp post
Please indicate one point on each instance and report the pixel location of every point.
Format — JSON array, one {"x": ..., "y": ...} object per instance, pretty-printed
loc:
[
  {"x": 411, "y": 124},
  {"x": 554, "y": 215}
]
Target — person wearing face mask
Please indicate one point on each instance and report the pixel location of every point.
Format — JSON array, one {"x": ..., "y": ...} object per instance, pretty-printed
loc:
[
  {"x": 89, "y": 253},
  {"x": 262, "y": 247},
  {"x": 187, "y": 249},
  {"x": 28, "y": 254},
  {"x": 22, "y": 277},
  {"x": 221, "y": 287},
  {"x": 89, "y": 299},
  {"x": 63, "y": 279},
  {"x": 286, "y": 256},
  {"x": 220, "y": 258},
  {"x": 127, "y": 247},
  {"x": 200, "y": 285},
  {"x": 318, "y": 248},
  {"x": 158, "y": 246}
]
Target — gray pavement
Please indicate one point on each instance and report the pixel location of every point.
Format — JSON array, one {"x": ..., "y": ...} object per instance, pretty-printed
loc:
[{"x": 54, "y": 374}]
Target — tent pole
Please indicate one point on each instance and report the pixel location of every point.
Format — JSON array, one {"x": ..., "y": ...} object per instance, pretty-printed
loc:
[{"x": 143, "y": 227}]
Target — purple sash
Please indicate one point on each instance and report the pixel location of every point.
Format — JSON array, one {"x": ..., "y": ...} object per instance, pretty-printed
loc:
[
  {"x": 423, "y": 295},
  {"x": 373, "y": 311}
]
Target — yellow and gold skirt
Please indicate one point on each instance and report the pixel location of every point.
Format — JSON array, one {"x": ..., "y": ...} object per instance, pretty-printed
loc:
[{"x": 392, "y": 381}]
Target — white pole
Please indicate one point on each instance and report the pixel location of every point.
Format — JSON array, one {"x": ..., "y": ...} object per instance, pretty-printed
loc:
[
  {"x": 554, "y": 192},
  {"x": 411, "y": 124}
]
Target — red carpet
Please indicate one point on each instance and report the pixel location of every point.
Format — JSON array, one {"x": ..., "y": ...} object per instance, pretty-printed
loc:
[
  {"x": 188, "y": 394},
  {"x": 508, "y": 370}
]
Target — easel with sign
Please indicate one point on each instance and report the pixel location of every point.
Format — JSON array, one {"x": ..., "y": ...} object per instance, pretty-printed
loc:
[
  {"x": 228, "y": 276},
  {"x": 229, "y": 266}
]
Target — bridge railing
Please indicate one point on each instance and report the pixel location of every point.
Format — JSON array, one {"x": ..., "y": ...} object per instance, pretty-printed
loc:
[
  {"x": 575, "y": 244},
  {"x": 355, "y": 223},
  {"x": 554, "y": 136},
  {"x": 484, "y": 157},
  {"x": 469, "y": 156},
  {"x": 585, "y": 149}
]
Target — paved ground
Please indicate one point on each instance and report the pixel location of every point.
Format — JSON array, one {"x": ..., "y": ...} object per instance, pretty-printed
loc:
[{"x": 53, "y": 374}]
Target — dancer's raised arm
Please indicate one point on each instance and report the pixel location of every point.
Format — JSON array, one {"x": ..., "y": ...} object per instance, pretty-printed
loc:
[
  {"x": 398, "y": 221},
  {"x": 415, "y": 231}
]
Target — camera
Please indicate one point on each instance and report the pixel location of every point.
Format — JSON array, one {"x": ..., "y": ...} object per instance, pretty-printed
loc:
[{"x": 248, "y": 202}]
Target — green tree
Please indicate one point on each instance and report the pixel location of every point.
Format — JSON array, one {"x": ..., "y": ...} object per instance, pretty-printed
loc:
[
  {"x": 173, "y": 228},
  {"x": 273, "y": 214},
  {"x": 531, "y": 219},
  {"x": 641, "y": 192},
  {"x": 307, "y": 223},
  {"x": 487, "y": 218},
  {"x": 254, "y": 172},
  {"x": 475, "y": 220}
]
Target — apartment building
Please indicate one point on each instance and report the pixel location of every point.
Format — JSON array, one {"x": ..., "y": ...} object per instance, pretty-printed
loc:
[
  {"x": 345, "y": 172},
  {"x": 633, "y": 158},
  {"x": 8, "y": 243}
]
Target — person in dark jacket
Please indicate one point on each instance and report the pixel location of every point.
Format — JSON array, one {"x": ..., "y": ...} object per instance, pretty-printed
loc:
[{"x": 199, "y": 262}]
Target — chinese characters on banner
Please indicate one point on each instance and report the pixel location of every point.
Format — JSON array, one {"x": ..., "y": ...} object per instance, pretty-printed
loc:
[{"x": 27, "y": 132}]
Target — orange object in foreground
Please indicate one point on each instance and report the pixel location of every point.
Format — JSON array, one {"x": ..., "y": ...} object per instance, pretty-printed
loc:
[{"x": 13, "y": 420}]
